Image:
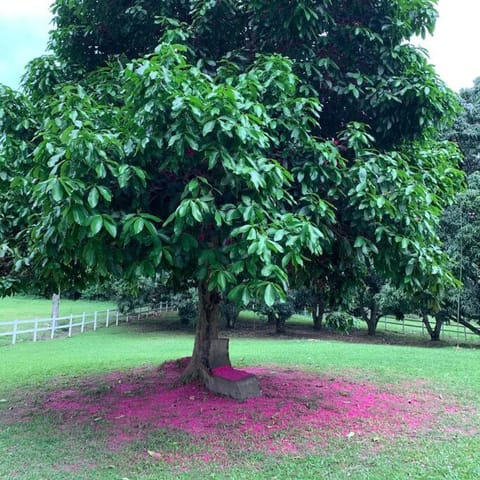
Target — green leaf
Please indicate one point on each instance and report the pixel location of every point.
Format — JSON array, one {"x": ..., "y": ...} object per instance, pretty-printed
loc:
[
  {"x": 93, "y": 197},
  {"x": 242, "y": 133},
  {"x": 57, "y": 191},
  {"x": 208, "y": 127},
  {"x": 269, "y": 295},
  {"x": 246, "y": 297},
  {"x": 151, "y": 228},
  {"x": 138, "y": 225},
  {"x": 409, "y": 268},
  {"x": 110, "y": 227},
  {"x": 221, "y": 281},
  {"x": 362, "y": 175},
  {"x": 80, "y": 215},
  {"x": 196, "y": 213},
  {"x": 96, "y": 223},
  {"x": 105, "y": 193},
  {"x": 359, "y": 242},
  {"x": 100, "y": 170},
  {"x": 236, "y": 293}
]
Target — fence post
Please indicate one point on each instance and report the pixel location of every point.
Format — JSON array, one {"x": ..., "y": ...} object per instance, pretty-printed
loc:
[
  {"x": 108, "y": 318},
  {"x": 55, "y": 308},
  {"x": 116, "y": 319},
  {"x": 95, "y": 322},
  {"x": 54, "y": 325},
  {"x": 70, "y": 325},
  {"x": 35, "y": 330},
  {"x": 14, "y": 333},
  {"x": 126, "y": 321}
]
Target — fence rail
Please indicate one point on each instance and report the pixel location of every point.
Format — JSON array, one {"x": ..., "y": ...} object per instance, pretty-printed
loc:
[
  {"x": 414, "y": 325},
  {"x": 49, "y": 328}
]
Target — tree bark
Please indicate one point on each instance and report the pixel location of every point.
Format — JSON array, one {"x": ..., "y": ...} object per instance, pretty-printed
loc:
[
  {"x": 271, "y": 317},
  {"x": 438, "y": 328},
  {"x": 318, "y": 309},
  {"x": 467, "y": 324},
  {"x": 206, "y": 331},
  {"x": 280, "y": 324},
  {"x": 372, "y": 319},
  {"x": 434, "y": 332}
]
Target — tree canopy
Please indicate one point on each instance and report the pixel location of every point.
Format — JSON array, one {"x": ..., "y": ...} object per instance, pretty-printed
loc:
[
  {"x": 466, "y": 129},
  {"x": 240, "y": 145}
]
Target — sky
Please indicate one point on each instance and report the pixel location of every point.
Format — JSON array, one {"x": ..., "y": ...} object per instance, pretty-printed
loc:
[{"x": 24, "y": 27}]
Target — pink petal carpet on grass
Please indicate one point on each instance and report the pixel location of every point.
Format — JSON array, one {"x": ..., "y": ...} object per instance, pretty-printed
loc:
[{"x": 297, "y": 411}]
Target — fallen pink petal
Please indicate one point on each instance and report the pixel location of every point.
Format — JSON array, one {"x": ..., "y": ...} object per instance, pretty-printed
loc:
[{"x": 297, "y": 410}]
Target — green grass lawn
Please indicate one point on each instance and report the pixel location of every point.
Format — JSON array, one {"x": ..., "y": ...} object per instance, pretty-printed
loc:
[
  {"x": 37, "y": 445},
  {"x": 27, "y": 308}
]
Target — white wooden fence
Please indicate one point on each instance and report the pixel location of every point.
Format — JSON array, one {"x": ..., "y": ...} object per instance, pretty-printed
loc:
[
  {"x": 414, "y": 325},
  {"x": 49, "y": 328}
]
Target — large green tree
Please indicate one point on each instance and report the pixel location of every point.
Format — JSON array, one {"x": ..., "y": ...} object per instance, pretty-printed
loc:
[{"x": 241, "y": 145}]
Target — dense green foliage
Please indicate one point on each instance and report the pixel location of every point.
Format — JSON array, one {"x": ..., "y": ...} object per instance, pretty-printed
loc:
[
  {"x": 466, "y": 129},
  {"x": 461, "y": 235},
  {"x": 239, "y": 145},
  {"x": 460, "y": 226}
]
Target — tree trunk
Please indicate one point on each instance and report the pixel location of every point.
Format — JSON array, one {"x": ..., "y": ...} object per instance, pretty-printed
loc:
[
  {"x": 206, "y": 332},
  {"x": 280, "y": 324},
  {"x": 318, "y": 309},
  {"x": 229, "y": 313},
  {"x": 271, "y": 317},
  {"x": 438, "y": 328},
  {"x": 467, "y": 324},
  {"x": 435, "y": 331},
  {"x": 372, "y": 319}
]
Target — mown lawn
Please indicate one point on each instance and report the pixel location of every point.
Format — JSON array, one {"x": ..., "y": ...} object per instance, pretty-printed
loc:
[
  {"x": 38, "y": 441},
  {"x": 34, "y": 312},
  {"x": 29, "y": 307}
]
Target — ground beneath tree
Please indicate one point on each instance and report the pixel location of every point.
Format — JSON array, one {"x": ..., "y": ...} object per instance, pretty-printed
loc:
[{"x": 297, "y": 413}]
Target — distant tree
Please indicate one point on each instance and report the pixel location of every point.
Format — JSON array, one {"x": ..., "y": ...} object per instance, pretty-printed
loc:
[
  {"x": 277, "y": 313},
  {"x": 466, "y": 129},
  {"x": 460, "y": 226},
  {"x": 367, "y": 303},
  {"x": 461, "y": 234},
  {"x": 229, "y": 312},
  {"x": 376, "y": 299},
  {"x": 190, "y": 142}
]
